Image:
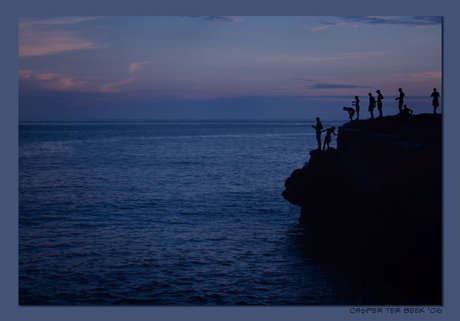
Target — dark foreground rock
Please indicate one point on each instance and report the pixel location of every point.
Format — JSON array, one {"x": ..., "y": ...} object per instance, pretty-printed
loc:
[{"x": 373, "y": 206}]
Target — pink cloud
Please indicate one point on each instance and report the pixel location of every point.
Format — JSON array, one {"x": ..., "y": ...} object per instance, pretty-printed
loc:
[
  {"x": 331, "y": 24},
  {"x": 418, "y": 77},
  {"x": 137, "y": 65},
  {"x": 56, "y": 82},
  {"x": 114, "y": 86},
  {"x": 39, "y": 37},
  {"x": 429, "y": 75},
  {"x": 50, "y": 81},
  {"x": 30, "y": 21}
]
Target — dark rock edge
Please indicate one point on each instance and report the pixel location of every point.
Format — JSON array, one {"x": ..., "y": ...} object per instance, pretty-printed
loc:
[{"x": 373, "y": 206}]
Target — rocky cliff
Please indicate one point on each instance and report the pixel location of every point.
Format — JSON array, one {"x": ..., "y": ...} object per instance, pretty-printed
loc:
[{"x": 374, "y": 204}]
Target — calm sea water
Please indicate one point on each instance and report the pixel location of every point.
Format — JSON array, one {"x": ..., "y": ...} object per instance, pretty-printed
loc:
[{"x": 166, "y": 213}]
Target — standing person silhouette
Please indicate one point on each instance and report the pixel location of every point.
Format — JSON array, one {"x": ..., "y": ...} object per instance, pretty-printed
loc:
[
  {"x": 401, "y": 99},
  {"x": 327, "y": 139},
  {"x": 371, "y": 105},
  {"x": 379, "y": 102},
  {"x": 318, "y": 128},
  {"x": 356, "y": 104},
  {"x": 435, "y": 96}
]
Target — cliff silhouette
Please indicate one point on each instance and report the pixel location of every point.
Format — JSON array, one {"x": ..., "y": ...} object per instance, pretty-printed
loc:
[{"x": 373, "y": 206}]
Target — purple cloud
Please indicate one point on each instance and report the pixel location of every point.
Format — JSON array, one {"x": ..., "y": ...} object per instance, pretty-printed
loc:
[
  {"x": 414, "y": 22},
  {"x": 334, "y": 86}
]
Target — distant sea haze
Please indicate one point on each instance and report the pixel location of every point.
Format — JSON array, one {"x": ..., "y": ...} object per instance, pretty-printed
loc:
[{"x": 167, "y": 213}]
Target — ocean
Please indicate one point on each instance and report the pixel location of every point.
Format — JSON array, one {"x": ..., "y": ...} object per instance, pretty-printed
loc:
[{"x": 167, "y": 213}]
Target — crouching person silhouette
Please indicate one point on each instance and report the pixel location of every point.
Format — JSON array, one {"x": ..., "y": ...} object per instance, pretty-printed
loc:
[
  {"x": 351, "y": 112},
  {"x": 327, "y": 139},
  {"x": 406, "y": 112}
]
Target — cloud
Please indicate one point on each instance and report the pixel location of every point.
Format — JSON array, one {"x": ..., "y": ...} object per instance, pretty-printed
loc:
[
  {"x": 137, "y": 65},
  {"x": 50, "y": 81},
  {"x": 427, "y": 75},
  {"x": 320, "y": 85},
  {"x": 113, "y": 87},
  {"x": 334, "y": 86},
  {"x": 38, "y": 37},
  {"x": 222, "y": 19},
  {"x": 219, "y": 19},
  {"x": 430, "y": 78},
  {"x": 331, "y": 24},
  {"x": 34, "y": 22},
  {"x": 31, "y": 80},
  {"x": 304, "y": 79},
  {"x": 414, "y": 22},
  {"x": 305, "y": 58}
]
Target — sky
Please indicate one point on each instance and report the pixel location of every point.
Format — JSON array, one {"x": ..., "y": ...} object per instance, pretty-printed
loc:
[{"x": 221, "y": 67}]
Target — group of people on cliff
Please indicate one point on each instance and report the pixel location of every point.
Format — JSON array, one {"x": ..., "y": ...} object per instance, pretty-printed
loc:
[
  {"x": 404, "y": 111},
  {"x": 319, "y": 129}
]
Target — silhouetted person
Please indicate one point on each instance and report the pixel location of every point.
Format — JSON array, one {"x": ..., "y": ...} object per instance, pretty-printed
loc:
[
  {"x": 356, "y": 104},
  {"x": 351, "y": 112},
  {"x": 401, "y": 99},
  {"x": 371, "y": 105},
  {"x": 318, "y": 128},
  {"x": 379, "y": 102},
  {"x": 435, "y": 96},
  {"x": 406, "y": 112},
  {"x": 327, "y": 139}
]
